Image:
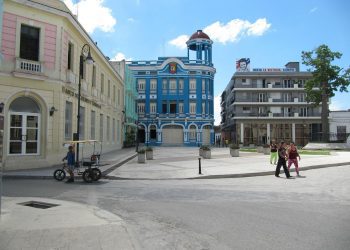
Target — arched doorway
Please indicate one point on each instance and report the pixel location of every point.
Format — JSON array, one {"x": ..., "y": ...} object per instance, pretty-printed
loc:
[
  {"x": 152, "y": 133},
  {"x": 141, "y": 134},
  {"x": 24, "y": 127},
  {"x": 172, "y": 135}
]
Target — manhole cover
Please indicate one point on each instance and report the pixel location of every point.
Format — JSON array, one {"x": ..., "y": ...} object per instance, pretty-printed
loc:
[{"x": 38, "y": 204}]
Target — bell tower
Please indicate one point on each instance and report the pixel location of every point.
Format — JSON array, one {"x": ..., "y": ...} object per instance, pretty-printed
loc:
[{"x": 202, "y": 45}]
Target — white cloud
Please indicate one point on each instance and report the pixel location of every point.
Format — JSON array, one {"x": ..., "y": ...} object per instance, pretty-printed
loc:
[
  {"x": 232, "y": 31},
  {"x": 131, "y": 20},
  {"x": 119, "y": 57},
  {"x": 217, "y": 110},
  {"x": 258, "y": 28},
  {"x": 180, "y": 41},
  {"x": 235, "y": 29},
  {"x": 313, "y": 10},
  {"x": 93, "y": 15}
]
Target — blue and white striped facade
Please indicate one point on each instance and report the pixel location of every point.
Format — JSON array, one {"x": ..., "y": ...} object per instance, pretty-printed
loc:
[{"x": 176, "y": 96}]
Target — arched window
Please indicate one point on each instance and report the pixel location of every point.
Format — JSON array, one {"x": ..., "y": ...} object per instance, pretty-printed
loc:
[
  {"x": 24, "y": 114},
  {"x": 192, "y": 133}
]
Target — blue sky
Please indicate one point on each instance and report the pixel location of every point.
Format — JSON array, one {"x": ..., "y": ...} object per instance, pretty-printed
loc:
[{"x": 270, "y": 33}]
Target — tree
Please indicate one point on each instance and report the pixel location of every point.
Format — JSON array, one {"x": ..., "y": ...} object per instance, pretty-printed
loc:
[{"x": 326, "y": 80}]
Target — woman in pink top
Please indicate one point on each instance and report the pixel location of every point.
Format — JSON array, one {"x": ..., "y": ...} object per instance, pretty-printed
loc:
[{"x": 293, "y": 154}]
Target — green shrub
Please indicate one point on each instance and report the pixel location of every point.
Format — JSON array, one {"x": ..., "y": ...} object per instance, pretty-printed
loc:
[
  {"x": 141, "y": 151},
  {"x": 204, "y": 147},
  {"x": 148, "y": 149},
  {"x": 234, "y": 146}
]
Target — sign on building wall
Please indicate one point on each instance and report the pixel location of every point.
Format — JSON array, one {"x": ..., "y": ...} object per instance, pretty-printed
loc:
[
  {"x": 243, "y": 65},
  {"x": 274, "y": 70},
  {"x": 172, "y": 68}
]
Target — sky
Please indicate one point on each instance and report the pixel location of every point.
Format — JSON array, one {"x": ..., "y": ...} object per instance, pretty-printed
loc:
[{"x": 270, "y": 33}]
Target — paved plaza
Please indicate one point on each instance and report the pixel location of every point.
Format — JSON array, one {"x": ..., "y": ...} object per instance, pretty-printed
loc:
[{"x": 73, "y": 225}]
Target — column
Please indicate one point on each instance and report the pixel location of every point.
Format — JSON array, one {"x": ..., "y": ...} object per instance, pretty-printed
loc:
[
  {"x": 293, "y": 132},
  {"x": 147, "y": 135},
  {"x": 268, "y": 133},
  {"x": 185, "y": 135},
  {"x": 210, "y": 55},
  {"x": 242, "y": 133},
  {"x": 159, "y": 137}
]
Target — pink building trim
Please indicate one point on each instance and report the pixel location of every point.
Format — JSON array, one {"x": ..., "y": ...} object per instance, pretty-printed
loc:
[
  {"x": 9, "y": 39},
  {"x": 9, "y": 36}
]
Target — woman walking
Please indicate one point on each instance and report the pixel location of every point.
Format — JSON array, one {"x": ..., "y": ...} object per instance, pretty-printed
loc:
[
  {"x": 273, "y": 152},
  {"x": 292, "y": 153}
]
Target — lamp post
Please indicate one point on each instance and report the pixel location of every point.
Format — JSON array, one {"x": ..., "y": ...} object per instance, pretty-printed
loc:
[
  {"x": 88, "y": 59},
  {"x": 1, "y": 146}
]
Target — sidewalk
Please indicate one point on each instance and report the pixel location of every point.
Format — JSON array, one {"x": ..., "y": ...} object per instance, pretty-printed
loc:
[
  {"x": 109, "y": 162},
  {"x": 183, "y": 163},
  {"x": 68, "y": 225},
  {"x": 77, "y": 226}
]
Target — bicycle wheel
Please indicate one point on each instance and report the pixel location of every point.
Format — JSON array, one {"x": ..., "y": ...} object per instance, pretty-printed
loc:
[
  {"x": 96, "y": 174},
  {"x": 59, "y": 174},
  {"x": 88, "y": 176}
]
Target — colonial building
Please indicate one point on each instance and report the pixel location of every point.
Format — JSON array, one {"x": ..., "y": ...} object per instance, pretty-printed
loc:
[
  {"x": 175, "y": 96},
  {"x": 45, "y": 50},
  {"x": 130, "y": 101},
  {"x": 268, "y": 103}
]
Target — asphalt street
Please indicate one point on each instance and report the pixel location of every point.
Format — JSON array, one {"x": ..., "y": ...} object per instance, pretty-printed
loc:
[{"x": 242, "y": 213}]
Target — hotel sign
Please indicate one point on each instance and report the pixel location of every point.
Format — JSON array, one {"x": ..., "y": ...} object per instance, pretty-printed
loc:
[{"x": 274, "y": 70}]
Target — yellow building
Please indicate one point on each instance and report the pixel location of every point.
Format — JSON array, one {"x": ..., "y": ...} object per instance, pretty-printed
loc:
[{"x": 42, "y": 45}]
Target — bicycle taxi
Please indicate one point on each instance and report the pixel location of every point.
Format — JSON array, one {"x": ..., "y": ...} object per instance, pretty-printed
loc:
[{"x": 88, "y": 163}]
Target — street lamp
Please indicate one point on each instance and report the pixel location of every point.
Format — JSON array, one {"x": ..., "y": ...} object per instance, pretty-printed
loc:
[
  {"x": 88, "y": 59},
  {"x": 137, "y": 136}
]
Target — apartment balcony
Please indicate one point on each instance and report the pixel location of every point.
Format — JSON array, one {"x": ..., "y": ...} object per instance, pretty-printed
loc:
[
  {"x": 84, "y": 87},
  {"x": 109, "y": 101},
  {"x": 269, "y": 101},
  {"x": 95, "y": 93},
  {"x": 29, "y": 69},
  {"x": 267, "y": 87},
  {"x": 275, "y": 116},
  {"x": 29, "y": 66},
  {"x": 71, "y": 77}
]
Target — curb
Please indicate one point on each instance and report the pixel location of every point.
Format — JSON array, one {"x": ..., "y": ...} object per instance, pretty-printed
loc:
[
  {"x": 241, "y": 175},
  {"x": 79, "y": 177},
  {"x": 117, "y": 165}
]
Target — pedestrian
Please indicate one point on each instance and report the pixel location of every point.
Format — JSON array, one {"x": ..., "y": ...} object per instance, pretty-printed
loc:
[
  {"x": 282, "y": 156},
  {"x": 273, "y": 152},
  {"x": 293, "y": 154},
  {"x": 70, "y": 157}
]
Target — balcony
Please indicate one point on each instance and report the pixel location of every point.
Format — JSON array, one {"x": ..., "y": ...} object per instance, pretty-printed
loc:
[
  {"x": 275, "y": 116},
  {"x": 71, "y": 77},
  {"x": 29, "y": 66},
  {"x": 29, "y": 69}
]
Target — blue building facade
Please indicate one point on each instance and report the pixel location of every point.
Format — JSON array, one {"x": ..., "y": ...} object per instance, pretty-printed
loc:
[{"x": 176, "y": 96}]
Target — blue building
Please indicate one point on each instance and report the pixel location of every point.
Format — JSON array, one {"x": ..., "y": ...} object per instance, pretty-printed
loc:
[{"x": 176, "y": 96}]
